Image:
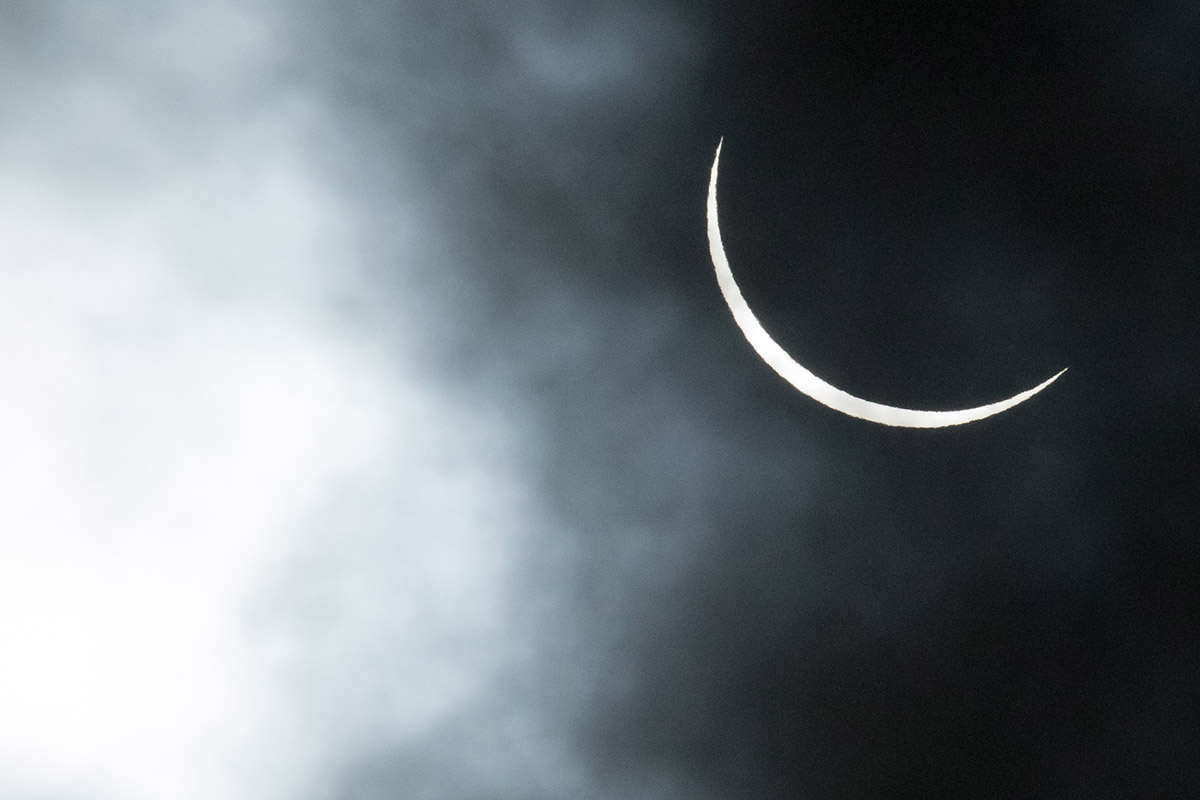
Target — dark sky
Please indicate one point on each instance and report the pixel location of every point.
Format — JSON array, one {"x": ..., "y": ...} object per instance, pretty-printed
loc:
[
  {"x": 928, "y": 207},
  {"x": 531, "y": 519}
]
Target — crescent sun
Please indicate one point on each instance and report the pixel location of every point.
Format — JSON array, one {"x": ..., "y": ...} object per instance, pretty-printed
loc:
[{"x": 808, "y": 383}]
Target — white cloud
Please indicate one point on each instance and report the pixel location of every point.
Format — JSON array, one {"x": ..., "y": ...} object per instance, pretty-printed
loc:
[{"x": 190, "y": 432}]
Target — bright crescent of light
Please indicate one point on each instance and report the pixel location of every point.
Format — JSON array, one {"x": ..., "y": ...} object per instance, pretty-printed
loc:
[{"x": 778, "y": 359}]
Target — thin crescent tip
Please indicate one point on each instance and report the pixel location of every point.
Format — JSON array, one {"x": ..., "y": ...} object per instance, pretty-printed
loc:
[{"x": 1049, "y": 380}]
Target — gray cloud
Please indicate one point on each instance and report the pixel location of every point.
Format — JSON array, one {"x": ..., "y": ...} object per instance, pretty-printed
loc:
[{"x": 243, "y": 533}]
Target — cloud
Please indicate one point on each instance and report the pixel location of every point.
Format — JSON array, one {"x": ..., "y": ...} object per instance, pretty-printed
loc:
[{"x": 232, "y": 511}]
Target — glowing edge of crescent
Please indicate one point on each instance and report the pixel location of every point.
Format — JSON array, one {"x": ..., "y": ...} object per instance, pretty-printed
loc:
[{"x": 792, "y": 372}]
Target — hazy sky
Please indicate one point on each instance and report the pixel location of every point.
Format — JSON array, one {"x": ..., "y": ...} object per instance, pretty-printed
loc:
[{"x": 371, "y": 425}]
